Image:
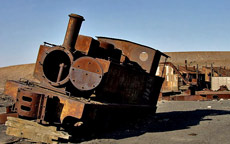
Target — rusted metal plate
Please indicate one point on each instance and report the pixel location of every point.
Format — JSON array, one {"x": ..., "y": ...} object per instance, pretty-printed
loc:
[
  {"x": 53, "y": 64},
  {"x": 11, "y": 89},
  {"x": 86, "y": 73},
  {"x": 86, "y": 45},
  {"x": 3, "y": 117},
  {"x": 106, "y": 45},
  {"x": 148, "y": 58},
  {"x": 104, "y": 64},
  {"x": 27, "y": 103},
  {"x": 214, "y": 94},
  {"x": 71, "y": 108},
  {"x": 184, "y": 98},
  {"x": 218, "y": 96},
  {"x": 127, "y": 86}
]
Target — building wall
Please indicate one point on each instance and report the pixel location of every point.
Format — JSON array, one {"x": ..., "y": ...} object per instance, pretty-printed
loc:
[
  {"x": 171, "y": 80},
  {"x": 219, "y": 81}
]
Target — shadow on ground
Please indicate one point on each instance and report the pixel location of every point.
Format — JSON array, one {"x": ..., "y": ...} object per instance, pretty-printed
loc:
[{"x": 161, "y": 122}]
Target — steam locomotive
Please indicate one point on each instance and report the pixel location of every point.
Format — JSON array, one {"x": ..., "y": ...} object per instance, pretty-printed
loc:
[{"x": 85, "y": 79}]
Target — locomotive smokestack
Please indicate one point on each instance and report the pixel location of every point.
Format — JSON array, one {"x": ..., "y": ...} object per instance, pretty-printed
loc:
[{"x": 72, "y": 31}]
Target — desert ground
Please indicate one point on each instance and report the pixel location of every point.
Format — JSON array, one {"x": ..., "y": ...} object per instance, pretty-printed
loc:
[
  {"x": 199, "y": 122},
  {"x": 174, "y": 122}
]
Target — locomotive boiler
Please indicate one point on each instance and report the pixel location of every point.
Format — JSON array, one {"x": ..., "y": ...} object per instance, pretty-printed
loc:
[{"x": 87, "y": 80}]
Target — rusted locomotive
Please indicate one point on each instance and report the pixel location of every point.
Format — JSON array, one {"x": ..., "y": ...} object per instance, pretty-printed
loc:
[{"x": 86, "y": 80}]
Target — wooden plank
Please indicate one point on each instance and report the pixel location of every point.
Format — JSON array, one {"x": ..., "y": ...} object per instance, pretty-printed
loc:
[{"x": 34, "y": 131}]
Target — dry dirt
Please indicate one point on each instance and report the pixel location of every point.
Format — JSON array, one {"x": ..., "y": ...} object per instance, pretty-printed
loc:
[{"x": 15, "y": 73}]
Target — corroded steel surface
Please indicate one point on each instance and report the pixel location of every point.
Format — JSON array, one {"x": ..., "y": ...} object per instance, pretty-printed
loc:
[
  {"x": 3, "y": 116},
  {"x": 148, "y": 58},
  {"x": 86, "y": 73},
  {"x": 184, "y": 98},
  {"x": 58, "y": 107},
  {"x": 86, "y": 44},
  {"x": 27, "y": 103},
  {"x": 35, "y": 93},
  {"x": 72, "y": 31},
  {"x": 48, "y": 69}
]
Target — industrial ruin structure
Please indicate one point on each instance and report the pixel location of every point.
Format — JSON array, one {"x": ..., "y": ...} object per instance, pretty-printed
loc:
[{"x": 194, "y": 83}]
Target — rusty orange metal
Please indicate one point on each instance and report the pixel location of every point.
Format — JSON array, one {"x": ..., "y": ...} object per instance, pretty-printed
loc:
[
  {"x": 86, "y": 44},
  {"x": 86, "y": 73},
  {"x": 72, "y": 31},
  {"x": 3, "y": 116},
  {"x": 27, "y": 103},
  {"x": 147, "y": 57}
]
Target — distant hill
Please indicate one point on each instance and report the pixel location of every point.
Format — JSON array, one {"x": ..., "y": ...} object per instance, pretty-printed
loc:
[
  {"x": 201, "y": 58},
  {"x": 15, "y": 73}
]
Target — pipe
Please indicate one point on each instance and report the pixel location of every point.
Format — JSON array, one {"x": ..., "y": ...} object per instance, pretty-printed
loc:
[
  {"x": 186, "y": 63},
  {"x": 72, "y": 31}
]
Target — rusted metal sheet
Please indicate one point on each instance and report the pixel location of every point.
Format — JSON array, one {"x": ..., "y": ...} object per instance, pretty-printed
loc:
[
  {"x": 148, "y": 58},
  {"x": 27, "y": 103},
  {"x": 86, "y": 73},
  {"x": 184, "y": 98},
  {"x": 11, "y": 89},
  {"x": 127, "y": 86},
  {"x": 3, "y": 116},
  {"x": 86, "y": 45},
  {"x": 214, "y": 94}
]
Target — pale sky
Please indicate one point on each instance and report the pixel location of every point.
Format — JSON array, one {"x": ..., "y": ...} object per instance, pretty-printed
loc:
[{"x": 166, "y": 25}]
